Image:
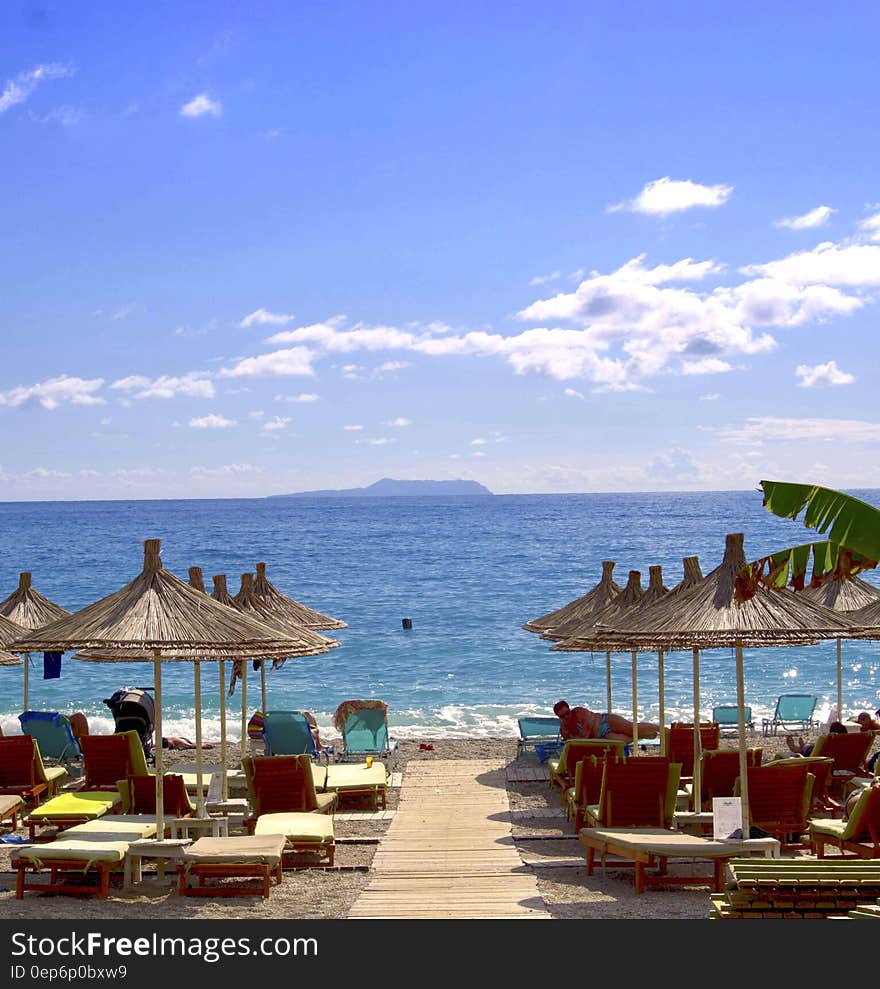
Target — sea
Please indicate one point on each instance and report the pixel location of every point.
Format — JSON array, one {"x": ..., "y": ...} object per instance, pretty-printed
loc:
[{"x": 466, "y": 571}]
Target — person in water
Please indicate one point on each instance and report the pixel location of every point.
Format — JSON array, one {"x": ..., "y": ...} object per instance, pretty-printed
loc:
[{"x": 581, "y": 722}]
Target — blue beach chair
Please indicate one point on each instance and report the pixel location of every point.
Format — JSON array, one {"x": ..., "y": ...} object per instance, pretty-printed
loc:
[
  {"x": 53, "y": 734},
  {"x": 540, "y": 731},
  {"x": 727, "y": 716},
  {"x": 792, "y": 711},
  {"x": 289, "y": 733},
  {"x": 365, "y": 733}
]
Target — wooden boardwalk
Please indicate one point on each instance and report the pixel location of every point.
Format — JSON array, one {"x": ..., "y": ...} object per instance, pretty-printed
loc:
[{"x": 449, "y": 851}]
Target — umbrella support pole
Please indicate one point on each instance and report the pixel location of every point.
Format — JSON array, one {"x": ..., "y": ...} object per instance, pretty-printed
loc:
[
  {"x": 160, "y": 787},
  {"x": 263, "y": 686},
  {"x": 244, "y": 717},
  {"x": 661, "y": 690},
  {"x": 608, "y": 706},
  {"x": 698, "y": 740},
  {"x": 27, "y": 663},
  {"x": 741, "y": 716},
  {"x": 197, "y": 688},
  {"x": 225, "y": 780},
  {"x": 839, "y": 681},
  {"x": 635, "y": 667}
]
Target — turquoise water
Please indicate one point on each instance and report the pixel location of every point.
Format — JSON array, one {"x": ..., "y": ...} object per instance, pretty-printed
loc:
[{"x": 467, "y": 571}]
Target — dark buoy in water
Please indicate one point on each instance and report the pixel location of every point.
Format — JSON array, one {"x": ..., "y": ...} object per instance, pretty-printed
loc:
[{"x": 407, "y": 623}]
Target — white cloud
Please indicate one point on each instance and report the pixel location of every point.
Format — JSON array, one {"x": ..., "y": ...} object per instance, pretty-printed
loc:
[
  {"x": 122, "y": 313},
  {"x": 54, "y": 392},
  {"x": 852, "y": 266},
  {"x": 257, "y": 414},
  {"x": 279, "y": 363},
  {"x": 772, "y": 428},
  {"x": 390, "y": 366},
  {"x": 262, "y": 317},
  {"x": 66, "y": 116},
  {"x": 823, "y": 375},
  {"x": 871, "y": 226},
  {"x": 478, "y": 453},
  {"x": 330, "y": 337},
  {"x": 302, "y": 397},
  {"x": 572, "y": 393},
  {"x": 664, "y": 196},
  {"x": 710, "y": 397},
  {"x": 671, "y": 467},
  {"x": 43, "y": 474},
  {"x": 19, "y": 89},
  {"x": 707, "y": 365},
  {"x": 353, "y": 428},
  {"x": 276, "y": 423},
  {"x": 211, "y": 421},
  {"x": 399, "y": 422},
  {"x": 381, "y": 441},
  {"x": 201, "y": 105},
  {"x": 194, "y": 384},
  {"x": 543, "y": 279},
  {"x": 817, "y": 217},
  {"x": 479, "y": 441}
]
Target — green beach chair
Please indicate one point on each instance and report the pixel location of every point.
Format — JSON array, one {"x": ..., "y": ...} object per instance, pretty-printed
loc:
[
  {"x": 289, "y": 733},
  {"x": 53, "y": 734},
  {"x": 792, "y": 711},
  {"x": 539, "y": 731},
  {"x": 365, "y": 732}
]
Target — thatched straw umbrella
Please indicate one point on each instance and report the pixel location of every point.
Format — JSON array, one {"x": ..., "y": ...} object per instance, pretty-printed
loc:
[
  {"x": 248, "y": 601},
  {"x": 289, "y": 610},
  {"x": 158, "y": 612},
  {"x": 581, "y": 608},
  {"x": 9, "y": 632},
  {"x": 29, "y": 609},
  {"x": 709, "y": 615},
  {"x": 847, "y": 593}
]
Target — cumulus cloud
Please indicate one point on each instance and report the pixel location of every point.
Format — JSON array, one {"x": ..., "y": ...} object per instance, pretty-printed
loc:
[
  {"x": 390, "y": 366},
  {"x": 200, "y": 106},
  {"x": 572, "y": 393},
  {"x": 54, "y": 392},
  {"x": 827, "y": 264},
  {"x": 279, "y": 363},
  {"x": 707, "y": 365},
  {"x": 211, "y": 421},
  {"x": 18, "y": 89},
  {"x": 399, "y": 422},
  {"x": 262, "y": 317},
  {"x": 817, "y": 217},
  {"x": 710, "y": 397},
  {"x": 195, "y": 384},
  {"x": 672, "y": 466},
  {"x": 665, "y": 196},
  {"x": 871, "y": 226},
  {"x": 276, "y": 423},
  {"x": 822, "y": 375}
]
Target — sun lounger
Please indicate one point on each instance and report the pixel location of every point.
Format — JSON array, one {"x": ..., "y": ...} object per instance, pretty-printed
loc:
[
  {"x": 22, "y": 772},
  {"x": 538, "y": 730},
  {"x": 653, "y": 847},
  {"x": 246, "y": 856},
  {"x": 281, "y": 784},
  {"x": 10, "y": 805},
  {"x": 792, "y": 711},
  {"x": 726, "y": 716},
  {"x": 53, "y": 732},
  {"x": 357, "y": 780},
  {"x": 69, "y": 809},
  {"x": 93, "y": 845},
  {"x": 302, "y": 833},
  {"x": 859, "y": 835},
  {"x": 364, "y": 727},
  {"x": 562, "y": 769}
]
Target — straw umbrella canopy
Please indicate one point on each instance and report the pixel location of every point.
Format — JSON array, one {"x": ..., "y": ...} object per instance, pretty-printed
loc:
[
  {"x": 581, "y": 608},
  {"x": 248, "y": 601},
  {"x": 710, "y": 615},
  {"x": 9, "y": 632},
  {"x": 158, "y": 612},
  {"x": 285, "y": 608},
  {"x": 29, "y": 609},
  {"x": 847, "y": 593}
]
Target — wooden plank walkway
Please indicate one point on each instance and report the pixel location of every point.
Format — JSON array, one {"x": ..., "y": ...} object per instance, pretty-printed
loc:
[{"x": 449, "y": 851}]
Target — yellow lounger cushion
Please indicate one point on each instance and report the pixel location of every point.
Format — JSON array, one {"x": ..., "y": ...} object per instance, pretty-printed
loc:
[
  {"x": 355, "y": 777},
  {"x": 55, "y": 774},
  {"x": 124, "y": 827},
  {"x": 66, "y": 806},
  {"x": 297, "y": 827},
  {"x": 266, "y": 848},
  {"x": 82, "y": 849}
]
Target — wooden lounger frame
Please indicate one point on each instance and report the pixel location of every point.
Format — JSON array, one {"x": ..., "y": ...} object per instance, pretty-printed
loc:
[
  {"x": 102, "y": 890},
  {"x": 226, "y": 870}
]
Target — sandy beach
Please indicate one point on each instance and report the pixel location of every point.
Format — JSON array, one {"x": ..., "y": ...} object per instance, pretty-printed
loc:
[{"x": 543, "y": 837}]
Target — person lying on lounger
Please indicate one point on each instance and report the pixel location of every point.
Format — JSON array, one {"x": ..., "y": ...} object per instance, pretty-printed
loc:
[
  {"x": 581, "y": 722},
  {"x": 183, "y": 743}
]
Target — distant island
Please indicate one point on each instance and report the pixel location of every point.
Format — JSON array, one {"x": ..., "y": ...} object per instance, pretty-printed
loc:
[{"x": 389, "y": 487}]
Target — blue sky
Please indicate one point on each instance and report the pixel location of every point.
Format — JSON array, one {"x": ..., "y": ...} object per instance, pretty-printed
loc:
[{"x": 273, "y": 247}]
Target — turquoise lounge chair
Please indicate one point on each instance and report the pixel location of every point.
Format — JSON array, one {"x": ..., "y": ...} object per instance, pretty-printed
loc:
[
  {"x": 365, "y": 733},
  {"x": 53, "y": 734},
  {"x": 792, "y": 711},
  {"x": 289, "y": 733},
  {"x": 727, "y": 716},
  {"x": 538, "y": 730}
]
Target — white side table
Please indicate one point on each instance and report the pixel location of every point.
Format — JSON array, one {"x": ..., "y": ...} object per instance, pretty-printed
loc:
[
  {"x": 216, "y": 827},
  {"x": 167, "y": 850}
]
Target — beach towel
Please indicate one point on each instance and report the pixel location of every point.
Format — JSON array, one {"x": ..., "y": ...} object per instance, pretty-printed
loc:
[
  {"x": 51, "y": 665},
  {"x": 255, "y": 725},
  {"x": 340, "y": 715}
]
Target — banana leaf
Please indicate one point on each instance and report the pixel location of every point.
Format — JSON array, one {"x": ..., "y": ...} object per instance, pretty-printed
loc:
[
  {"x": 789, "y": 567},
  {"x": 847, "y": 521}
]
